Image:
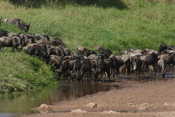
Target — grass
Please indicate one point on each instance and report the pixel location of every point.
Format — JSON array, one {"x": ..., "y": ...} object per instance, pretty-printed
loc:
[
  {"x": 24, "y": 103},
  {"x": 141, "y": 25},
  {"x": 23, "y": 73}
]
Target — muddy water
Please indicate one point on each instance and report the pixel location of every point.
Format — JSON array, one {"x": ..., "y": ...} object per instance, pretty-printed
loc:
[
  {"x": 71, "y": 90},
  {"x": 10, "y": 106},
  {"x": 66, "y": 90}
]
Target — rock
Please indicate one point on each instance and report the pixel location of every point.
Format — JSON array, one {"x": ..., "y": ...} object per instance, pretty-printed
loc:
[
  {"x": 144, "y": 106},
  {"x": 110, "y": 112},
  {"x": 44, "y": 108},
  {"x": 169, "y": 104},
  {"x": 78, "y": 111},
  {"x": 166, "y": 104},
  {"x": 131, "y": 104},
  {"x": 91, "y": 105}
]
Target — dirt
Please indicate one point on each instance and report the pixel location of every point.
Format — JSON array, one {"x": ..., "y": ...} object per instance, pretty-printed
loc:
[{"x": 132, "y": 99}]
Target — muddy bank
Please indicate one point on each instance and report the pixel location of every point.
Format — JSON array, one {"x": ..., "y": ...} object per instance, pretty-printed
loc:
[
  {"x": 151, "y": 114},
  {"x": 135, "y": 99}
]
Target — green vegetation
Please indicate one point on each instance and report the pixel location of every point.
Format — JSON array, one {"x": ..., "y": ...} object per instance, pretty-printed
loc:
[
  {"x": 21, "y": 72},
  {"x": 26, "y": 101},
  {"x": 141, "y": 25}
]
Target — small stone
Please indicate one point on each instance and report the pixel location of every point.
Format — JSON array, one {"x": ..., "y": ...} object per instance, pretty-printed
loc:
[
  {"x": 78, "y": 111},
  {"x": 144, "y": 106},
  {"x": 166, "y": 104},
  {"x": 110, "y": 112},
  {"x": 131, "y": 104},
  {"x": 44, "y": 108},
  {"x": 91, "y": 105},
  {"x": 169, "y": 104}
]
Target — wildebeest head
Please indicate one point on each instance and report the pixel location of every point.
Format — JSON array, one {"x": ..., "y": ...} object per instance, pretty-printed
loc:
[
  {"x": 57, "y": 42},
  {"x": 55, "y": 60},
  {"x": 104, "y": 51},
  {"x": 3, "y": 33},
  {"x": 24, "y": 27},
  {"x": 162, "y": 47},
  {"x": 84, "y": 51}
]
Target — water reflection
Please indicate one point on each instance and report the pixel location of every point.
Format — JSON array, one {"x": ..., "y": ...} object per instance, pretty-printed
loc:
[
  {"x": 7, "y": 115},
  {"x": 70, "y": 90},
  {"x": 66, "y": 90}
]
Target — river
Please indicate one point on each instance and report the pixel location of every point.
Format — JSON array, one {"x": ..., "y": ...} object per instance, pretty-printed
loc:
[{"x": 66, "y": 90}]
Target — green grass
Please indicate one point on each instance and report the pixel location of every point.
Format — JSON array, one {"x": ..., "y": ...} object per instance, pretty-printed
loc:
[
  {"x": 141, "y": 25},
  {"x": 25, "y": 102},
  {"x": 23, "y": 73}
]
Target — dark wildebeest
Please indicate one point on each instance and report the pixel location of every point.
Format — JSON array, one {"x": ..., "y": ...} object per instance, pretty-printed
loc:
[
  {"x": 3, "y": 33},
  {"x": 166, "y": 60},
  {"x": 18, "y": 22}
]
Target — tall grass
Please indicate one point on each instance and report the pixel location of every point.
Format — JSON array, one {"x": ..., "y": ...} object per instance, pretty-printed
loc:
[{"x": 142, "y": 25}]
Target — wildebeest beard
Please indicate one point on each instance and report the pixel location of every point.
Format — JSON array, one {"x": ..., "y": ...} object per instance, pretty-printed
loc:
[{"x": 24, "y": 27}]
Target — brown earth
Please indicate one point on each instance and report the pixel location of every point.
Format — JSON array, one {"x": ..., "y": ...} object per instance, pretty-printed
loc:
[{"x": 133, "y": 99}]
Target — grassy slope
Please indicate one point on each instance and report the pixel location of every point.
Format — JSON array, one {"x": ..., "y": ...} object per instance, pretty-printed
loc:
[
  {"x": 21, "y": 72},
  {"x": 142, "y": 25}
]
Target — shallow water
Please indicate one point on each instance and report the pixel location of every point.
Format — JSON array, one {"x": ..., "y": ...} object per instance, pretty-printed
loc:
[
  {"x": 11, "y": 106},
  {"x": 7, "y": 115},
  {"x": 66, "y": 91}
]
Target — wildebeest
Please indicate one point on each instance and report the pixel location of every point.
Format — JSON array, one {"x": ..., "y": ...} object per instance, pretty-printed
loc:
[
  {"x": 55, "y": 60},
  {"x": 18, "y": 22},
  {"x": 149, "y": 61},
  {"x": 166, "y": 60},
  {"x": 3, "y": 33},
  {"x": 5, "y": 42},
  {"x": 104, "y": 51},
  {"x": 81, "y": 51},
  {"x": 166, "y": 48}
]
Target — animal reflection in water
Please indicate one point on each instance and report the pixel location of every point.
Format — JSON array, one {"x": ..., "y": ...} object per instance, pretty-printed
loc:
[{"x": 86, "y": 64}]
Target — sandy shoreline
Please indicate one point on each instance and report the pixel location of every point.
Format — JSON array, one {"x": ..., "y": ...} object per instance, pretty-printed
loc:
[{"x": 133, "y": 99}]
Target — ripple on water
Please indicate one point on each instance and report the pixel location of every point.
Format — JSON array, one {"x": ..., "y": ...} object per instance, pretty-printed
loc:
[{"x": 6, "y": 115}]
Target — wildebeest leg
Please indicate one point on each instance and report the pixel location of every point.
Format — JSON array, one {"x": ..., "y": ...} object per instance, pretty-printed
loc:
[
  {"x": 162, "y": 67},
  {"x": 95, "y": 76},
  {"x": 1, "y": 48},
  {"x": 108, "y": 71},
  {"x": 14, "y": 49}
]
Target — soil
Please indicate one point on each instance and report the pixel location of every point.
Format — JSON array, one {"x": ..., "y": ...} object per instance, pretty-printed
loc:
[{"x": 132, "y": 99}]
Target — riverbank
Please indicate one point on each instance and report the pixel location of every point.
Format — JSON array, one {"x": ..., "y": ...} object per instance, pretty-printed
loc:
[
  {"x": 133, "y": 99},
  {"x": 23, "y": 73}
]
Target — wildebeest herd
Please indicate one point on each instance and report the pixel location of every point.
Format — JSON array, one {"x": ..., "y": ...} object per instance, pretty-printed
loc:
[{"x": 86, "y": 64}]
